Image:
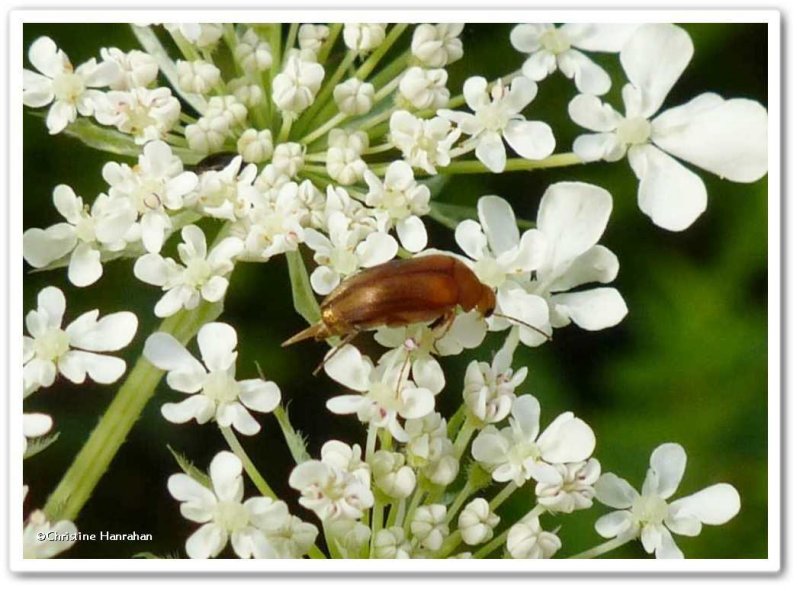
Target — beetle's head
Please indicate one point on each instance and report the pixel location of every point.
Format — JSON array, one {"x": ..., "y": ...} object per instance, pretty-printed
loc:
[{"x": 487, "y": 303}]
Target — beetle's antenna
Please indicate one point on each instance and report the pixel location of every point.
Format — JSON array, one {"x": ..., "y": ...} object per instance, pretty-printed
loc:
[
  {"x": 332, "y": 353},
  {"x": 523, "y": 323}
]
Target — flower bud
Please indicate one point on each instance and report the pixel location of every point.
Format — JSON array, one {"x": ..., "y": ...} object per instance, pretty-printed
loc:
[
  {"x": 391, "y": 474},
  {"x": 252, "y": 53},
  {"x": 288, "y": 158},
  {"x": 424, "y": 89},
  {"x": 526, "y": 539},
  {"x": 136, "y": 68},
  {"x": 363, "y": 37},
  {"x": 391, "y": 543},
  {"x": 227, "y": 107},
  {"x": 429, "y": 526},
  {"x": 312, "y": 36},
  {"x": 435, "y": 46},
  {"x": 354, "y": 97},
  {"x": 476, "y": 522},
  {"x": 246, "y": 92},
  {"x": 294, "y": 89},
  {"x": 207, "y": 135},
  {"x": 197, "y": 76},
  {"x": 254, "y": 145}
]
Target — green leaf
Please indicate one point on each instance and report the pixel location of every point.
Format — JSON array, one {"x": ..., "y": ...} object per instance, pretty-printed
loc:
[
  {"x": 190, "y": 469},
  {"x": 302, "y": 295},
  {"x": 39, "y": 444}
]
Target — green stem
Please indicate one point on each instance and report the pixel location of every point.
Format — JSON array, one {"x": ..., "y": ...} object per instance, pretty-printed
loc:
[
  {"x": 464, "y": 435},
  {"x": 512, "y": 164},
  {"x": 324, "y": 95},
  {"x": 291, "y": 37},
  {"x": 249, "y": 467},
  {"x": 412, "y": 506},
  {"x": 92, "y": 461},
  {"x": 456, "y": 420},
  {"x": 500, "y": 497},
  {"x": 333, "y": 35},
  {"x": 377, "y": 523},
  {"x": 604, "y": 548},
  {"x": 376, "y": 56}
]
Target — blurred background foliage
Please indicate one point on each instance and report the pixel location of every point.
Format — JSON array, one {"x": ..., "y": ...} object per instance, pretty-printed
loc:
[{"x": 688, "y": 364}]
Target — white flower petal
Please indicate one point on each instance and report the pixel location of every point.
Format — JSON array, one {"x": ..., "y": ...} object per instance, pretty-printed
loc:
[
  {"x": 214, "y": 289},
  {"x": 259, "y": 395},
  {"x": 566, "y": 439},
  {"x": 412, "y": 233},
  {"x": 593, "y": 309},
  {"x": 671, "y": 194},
  {"x": 714, "y": 505},
  {"x": 376, "y": 249},
  {"x": 527, "y": 411},
  {"x": 206, "y": 542},
  {"x": 197, "y": 407},
  {"x": 51, "y": 300},
  {"x": 727, "y": 138},
  {"x": 103, "y": 369},
  {"x": 598, "y": 264},
  {"x": 110, "y": 333},
  {"x": 165, "y": 352},
  {"x": 428, "y": 374},
  {"x": 491, "y": 151},
  {"x": 573, "y": 216},
  {"x": 226, "y": 476},
  {"x": 613, "y": 491},
  {"x": 525, "y": 37},
  {"x": 471, "y": 239},
  {"x": 349, "y": 368},
  {"x": 654, "y": 58},
  {"x": 667, "y": 549},
  {"x": 499, "y": 223},
  {"x": 84, "y": 265},
  {"x": 324, "y": 280},
  {"x": 590, "y": 112},
  {"x": 347, "y": 404},
  {"x": 668, "y": 462},
  {"x": 613, "y": 524},
  {"x": 475, "y": 92},
  {"x": 589, "y": 77},
  {"x": 217, "y": 342},
  {"x": 607, "y": 37},
  {"x": 417, "y": 403},
  {"x": 42, "y": 247},
  {"x": 539, "y": 65},
  {"x": 533, "y": 140}
]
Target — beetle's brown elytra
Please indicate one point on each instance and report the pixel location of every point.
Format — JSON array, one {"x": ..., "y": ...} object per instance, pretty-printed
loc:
[{"x": 399, "y": 293}]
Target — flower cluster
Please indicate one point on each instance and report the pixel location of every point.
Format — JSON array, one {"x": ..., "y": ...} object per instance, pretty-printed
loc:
[{"x": 270, "y": 139}]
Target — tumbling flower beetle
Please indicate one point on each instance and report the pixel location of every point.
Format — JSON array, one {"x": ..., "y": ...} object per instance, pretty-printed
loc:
[{"x": 399, "y": 293}]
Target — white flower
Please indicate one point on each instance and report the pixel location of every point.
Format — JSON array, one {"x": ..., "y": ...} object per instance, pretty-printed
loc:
[
  {"x": 725, "y": 137},
  {"x": 227, "y": 107},
  {"x": 364, "y": 37},
  {"x": 294, "y": 89},
  {"x": 229, "y": 193},
  {"x": 346, "y": 251},
  {"x": 86, "y": 233},
  {"x": 504, "y": 261},
  {"x": 247, "y": 92},
  {"x": 392, "y": 543},
  {"x": 381, "y": 394},
  {"x": 37, "y": 530},
  {"x": 552, "y": 47},
  {"x": 349, "y": 535},
  {"x": 424, "y": 89},
  {"x": 354, "y": 97},
  {"x": 275, "y": 224},
  {"x": 436, "y": 46},
  {"x": 489, "y": 389},
  {"x": 203, "y": 275},
  {"x": 198, "y": 76},
  {"x": 288, "y": 158},
  {"x": 223, "y": 514},
  {"x": 391, "y": 475},
  {"x": 425, "y": 143},
  {"x": 158, "y": 184},
  {"x": 429, "y": 448},
  {"x": 136, "y": 68},
  {"x": 69, "y": 90},
  {"x": 207, "y": 135},
  {"x": 255, "y": 145},
  {"x": 253, "y": 54},
  {"x": 401, "y": 200},
  {"x": 649, "y": 517},
  {"x": 291, "y": 537},
  {"x": 215, "y": 393},
  {"x": 497, "y": 116},
  {"x": 429, "y": 526},
  {"x": 476, "y": 522},
  {"x": 336, "y": 486},
  {"x": 203, "y": 35},
  {"x": 312, "y": 37},
  {"x": 567, "y": 487},
  {"x": 34, "y": 424},
  {"x": 146, "y": 114},
  {"x": 526, "y": 539},
  {"x": 76, "y": 350},
  {"x": 343, "y": 160},
  {"x": 571, "y": 219},
  {"x": 516, "y": 452}
]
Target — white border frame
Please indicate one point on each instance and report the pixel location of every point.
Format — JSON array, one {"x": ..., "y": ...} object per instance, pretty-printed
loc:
[{"x": 771, "y": 564}]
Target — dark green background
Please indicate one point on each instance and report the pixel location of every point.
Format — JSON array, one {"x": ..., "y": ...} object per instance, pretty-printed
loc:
[{"x": 688, "y": 364}]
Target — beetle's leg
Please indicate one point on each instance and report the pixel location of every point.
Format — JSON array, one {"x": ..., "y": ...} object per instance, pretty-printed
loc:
[
  {"x": 442, "y": 326},
  {"x": 403, "y": 370},
  {"x": 330, "y": 354}
]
